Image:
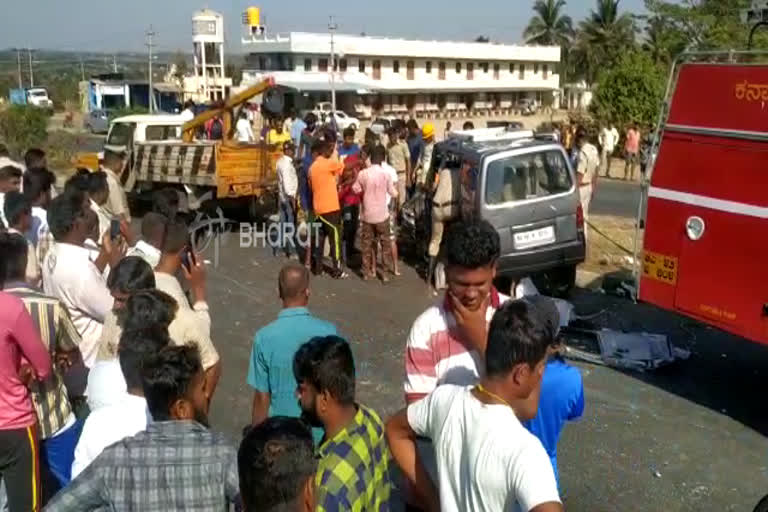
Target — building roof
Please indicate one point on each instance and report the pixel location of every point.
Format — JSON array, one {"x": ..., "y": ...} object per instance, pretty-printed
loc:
[
  {"x": 314, "y": 43},
  {"x": 354, "y": 81}
]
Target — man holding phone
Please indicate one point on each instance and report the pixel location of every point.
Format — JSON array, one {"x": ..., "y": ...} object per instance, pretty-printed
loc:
[{"x": 178, "y": 255}]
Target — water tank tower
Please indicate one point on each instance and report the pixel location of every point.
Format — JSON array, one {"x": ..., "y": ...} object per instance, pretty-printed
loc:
[{"x": 208, "y": 43}]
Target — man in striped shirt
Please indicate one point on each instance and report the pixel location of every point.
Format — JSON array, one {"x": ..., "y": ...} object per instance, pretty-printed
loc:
[
  {"x": 59, "y": 430},
  {"x": 446, "y": 344}
]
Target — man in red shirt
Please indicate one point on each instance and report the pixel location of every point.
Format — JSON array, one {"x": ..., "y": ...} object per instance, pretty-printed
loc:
[
  {"x": 323, "y": 177},
  {"x": 350, "y": 202},
  {"x": 19, "y": 340}
]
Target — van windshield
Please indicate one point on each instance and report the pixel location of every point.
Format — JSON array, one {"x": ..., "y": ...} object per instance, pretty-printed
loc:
[
  {"x": 121, "y": 134},
  {"x": 526, "y": 176}
]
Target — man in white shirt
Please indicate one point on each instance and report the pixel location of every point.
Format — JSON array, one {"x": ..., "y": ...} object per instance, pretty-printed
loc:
[
  {"x": 487, "y": 461},
  {"x": 177, "y": 256},
  {"x": 71, "y": 276},
  {"x": 117, "y": 201},
  {"x": 287, "y": 186},
  {"x": 127, "y": 415},
  {"x": 243, "y": 130},
  {"x": 608, "y": 138},
  {"x": 98, "y": 192},
  {"x": 188, "y": 113},
  {"x": 37, "y": 187},
  {"x": 18, "y": 213},
  {"x": 152, "y": 232},
  {"x": 586, "y": 172}
]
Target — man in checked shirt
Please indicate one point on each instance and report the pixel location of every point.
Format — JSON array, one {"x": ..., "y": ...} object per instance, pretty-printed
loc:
[{"x": 176, "y": 464}]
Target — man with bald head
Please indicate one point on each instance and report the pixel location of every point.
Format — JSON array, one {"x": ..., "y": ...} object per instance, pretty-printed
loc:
[{"x": 270, "y": 371}]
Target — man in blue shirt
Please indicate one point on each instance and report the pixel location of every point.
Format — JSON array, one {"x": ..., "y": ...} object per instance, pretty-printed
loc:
[
  {"x": 562, "y": 391},
  {"x": 415, "y": 142},
  {"x": 348, "y": 146},
  {"x": 270, "y": 371}
]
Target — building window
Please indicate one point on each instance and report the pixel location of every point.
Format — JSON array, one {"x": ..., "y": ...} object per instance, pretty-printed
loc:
[
  {"x": 377, "y": 70},
  {"x": 343, "y": 65},
  {"x": 484, "y": 65},
  {"x": 262, "y": 63},
  {"x": 441, "y": 71},
  {"x": 545, "y": 71},
  {"x": 361, "y": 65},
  {"x": 458, "y": 67},
  {"x": 322, "y": 65},
  {"x": 470, "y": 70},
  {"x": 307, "y": 64},
  {"x": 496, "y": 71},
  {"x": 522, "y": 72},
  {"x": 396, "y": 66},
  {"x": 429, "y": 66},
  {"x": 511, "y": 67},
  {"x": 536, "y": 68},
  {"x": 409, "y": 70}
]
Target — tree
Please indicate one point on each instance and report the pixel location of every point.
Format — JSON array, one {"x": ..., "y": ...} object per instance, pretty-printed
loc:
[
  {"x": 549, "y": 26},
  {"x": 23, "y": 127},
  {"x": 180, "y": 62},
  {"x": 630, "y": 91},
  {"x": 603, "y": 37},
  {"x": 662, "y": 41},
  {"x": 482, "y": 39}
]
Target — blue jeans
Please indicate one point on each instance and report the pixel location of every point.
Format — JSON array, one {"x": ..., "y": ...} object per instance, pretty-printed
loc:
[
  {"x": 287, "y": 218},
  {"x": 58, "y": 452}
]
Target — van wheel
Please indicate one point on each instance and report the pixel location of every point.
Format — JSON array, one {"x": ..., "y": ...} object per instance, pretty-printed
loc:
[{"x": 556, "y": 282}]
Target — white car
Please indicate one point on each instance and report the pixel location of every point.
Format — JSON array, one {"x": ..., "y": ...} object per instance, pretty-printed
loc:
[{"x": 343, "y": 121}]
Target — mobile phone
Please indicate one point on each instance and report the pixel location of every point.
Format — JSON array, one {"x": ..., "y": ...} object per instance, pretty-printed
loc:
[
  {"x": 188, "y": 259},
  {"x": 114, "y": 229}
]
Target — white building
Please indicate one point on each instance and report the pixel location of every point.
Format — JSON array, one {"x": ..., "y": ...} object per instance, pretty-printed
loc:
[
  {"x": 377, "y": 75},
  {"x": 209, "y": 81}
]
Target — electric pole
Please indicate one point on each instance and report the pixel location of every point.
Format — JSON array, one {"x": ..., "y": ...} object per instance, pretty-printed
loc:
[
  {"x": 31, "y": 72},
  {"x": 332, "y": 26},
  {"x": 82, "y": 70},
  {"x": 150, "y": 34},
  {"x": 18, "y": 63}
]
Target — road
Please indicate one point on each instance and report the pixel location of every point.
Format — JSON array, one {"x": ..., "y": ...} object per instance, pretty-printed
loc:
[
  {"x": 616, "y": 197},
  {"x": 690, "y": 437}
]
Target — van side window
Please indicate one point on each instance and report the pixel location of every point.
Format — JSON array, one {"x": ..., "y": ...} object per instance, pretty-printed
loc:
[
  {"x": 160, "y": 132},
  {"x": 121, "y": 134},
  {"x": 527, "y": 176}
]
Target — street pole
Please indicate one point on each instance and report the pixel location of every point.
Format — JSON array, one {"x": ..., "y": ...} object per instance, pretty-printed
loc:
[
  {"x": 150, "y": 34},
  {"x": 18, "y": 63},
  {"x": 332, "y": 28},
  {"x": 82, "y": 70},
  {"x": 31, "y": 72}
]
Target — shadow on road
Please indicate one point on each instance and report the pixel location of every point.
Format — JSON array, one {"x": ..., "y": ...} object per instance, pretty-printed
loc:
[{"x": 725, "y": 373}]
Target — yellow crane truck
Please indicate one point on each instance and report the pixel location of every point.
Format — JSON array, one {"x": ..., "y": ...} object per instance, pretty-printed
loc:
[{"x": 163, "y": 151}]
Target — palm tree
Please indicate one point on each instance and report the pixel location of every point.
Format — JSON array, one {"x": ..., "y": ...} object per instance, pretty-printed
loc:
[
  {"x": 550, "y": 26},
  {"x": 603, "y": 37}
]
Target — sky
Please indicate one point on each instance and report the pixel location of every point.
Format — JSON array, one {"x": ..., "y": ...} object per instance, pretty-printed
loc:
[{"x": 119, "y": 25}]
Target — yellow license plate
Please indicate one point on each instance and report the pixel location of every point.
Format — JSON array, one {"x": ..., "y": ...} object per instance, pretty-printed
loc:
[
  {"x": 242, "y": 189},
  {"x": 660, "y": 267}
]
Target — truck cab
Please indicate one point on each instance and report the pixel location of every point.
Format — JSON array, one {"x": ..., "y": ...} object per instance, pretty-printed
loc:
[{"x": 125, "y": 131}]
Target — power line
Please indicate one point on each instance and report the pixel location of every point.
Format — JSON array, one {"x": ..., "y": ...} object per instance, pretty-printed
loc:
[{"x": 150, "y": 34}]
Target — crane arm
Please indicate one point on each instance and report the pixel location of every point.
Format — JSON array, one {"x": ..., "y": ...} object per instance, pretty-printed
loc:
[{"x": 224, "y": 110}]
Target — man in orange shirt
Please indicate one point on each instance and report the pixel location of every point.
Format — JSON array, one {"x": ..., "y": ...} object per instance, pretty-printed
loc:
[{"x": 323, "y": 177}]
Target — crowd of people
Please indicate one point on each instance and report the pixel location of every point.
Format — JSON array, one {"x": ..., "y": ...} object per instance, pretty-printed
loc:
[{"x": 109, "y": 365}]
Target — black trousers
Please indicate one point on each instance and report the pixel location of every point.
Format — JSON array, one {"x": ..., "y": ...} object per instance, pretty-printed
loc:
[
  {"x": 330, "y": 226},
  {"x": 19, "y": 468},
  {"x": 351, "y": 220}
]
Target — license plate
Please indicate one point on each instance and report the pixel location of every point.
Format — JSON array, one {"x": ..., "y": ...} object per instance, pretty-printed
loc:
[
  {"x": 535, "y": 238},
  {"x": 660, "y": 267}
]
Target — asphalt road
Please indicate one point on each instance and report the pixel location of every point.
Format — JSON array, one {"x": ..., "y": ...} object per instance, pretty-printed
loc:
[
  {"x": 688, "y": 437},
  {"x": 615, "y": 197}
]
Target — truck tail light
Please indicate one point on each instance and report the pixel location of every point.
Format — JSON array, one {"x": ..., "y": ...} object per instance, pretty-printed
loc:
[{"x": 580, "y": 218}]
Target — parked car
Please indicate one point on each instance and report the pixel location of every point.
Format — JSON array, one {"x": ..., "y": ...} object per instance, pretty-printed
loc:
[
  {"x": 96, "y": 121},
  {"x": 343, "y": 120},
  {"x": 526, "y": 188},
  {"x": 509, "y": 125}
]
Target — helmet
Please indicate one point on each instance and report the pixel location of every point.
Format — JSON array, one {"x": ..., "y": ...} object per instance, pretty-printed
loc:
[{"x": 428, "y": 130}]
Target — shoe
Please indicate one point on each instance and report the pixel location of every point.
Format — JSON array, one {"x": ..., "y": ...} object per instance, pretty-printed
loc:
[
  {"x": 340, "y": 275},
  {"x": 385, "y": 279}
]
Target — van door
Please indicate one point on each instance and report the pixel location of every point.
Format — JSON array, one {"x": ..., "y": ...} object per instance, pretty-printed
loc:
[
  {"x": 529, "y": 196},
  {"x": 722, "y": 275}
]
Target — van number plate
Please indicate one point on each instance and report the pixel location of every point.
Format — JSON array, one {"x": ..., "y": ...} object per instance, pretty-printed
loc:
[{"x": 534, "y": 238}]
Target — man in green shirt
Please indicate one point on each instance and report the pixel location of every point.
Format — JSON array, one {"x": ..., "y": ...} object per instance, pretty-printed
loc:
[
  {"x": 270, "y": 371},
  {"x": 353, "y": 470}
]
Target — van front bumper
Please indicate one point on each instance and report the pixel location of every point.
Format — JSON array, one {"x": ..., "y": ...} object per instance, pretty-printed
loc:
[{"x": 521, "y": 264}]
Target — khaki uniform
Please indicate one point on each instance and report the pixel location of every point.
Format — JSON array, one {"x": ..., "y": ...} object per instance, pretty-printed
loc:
[
  {"x": 589, "y": 162},
  {"x": 446, "y": 204}
]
